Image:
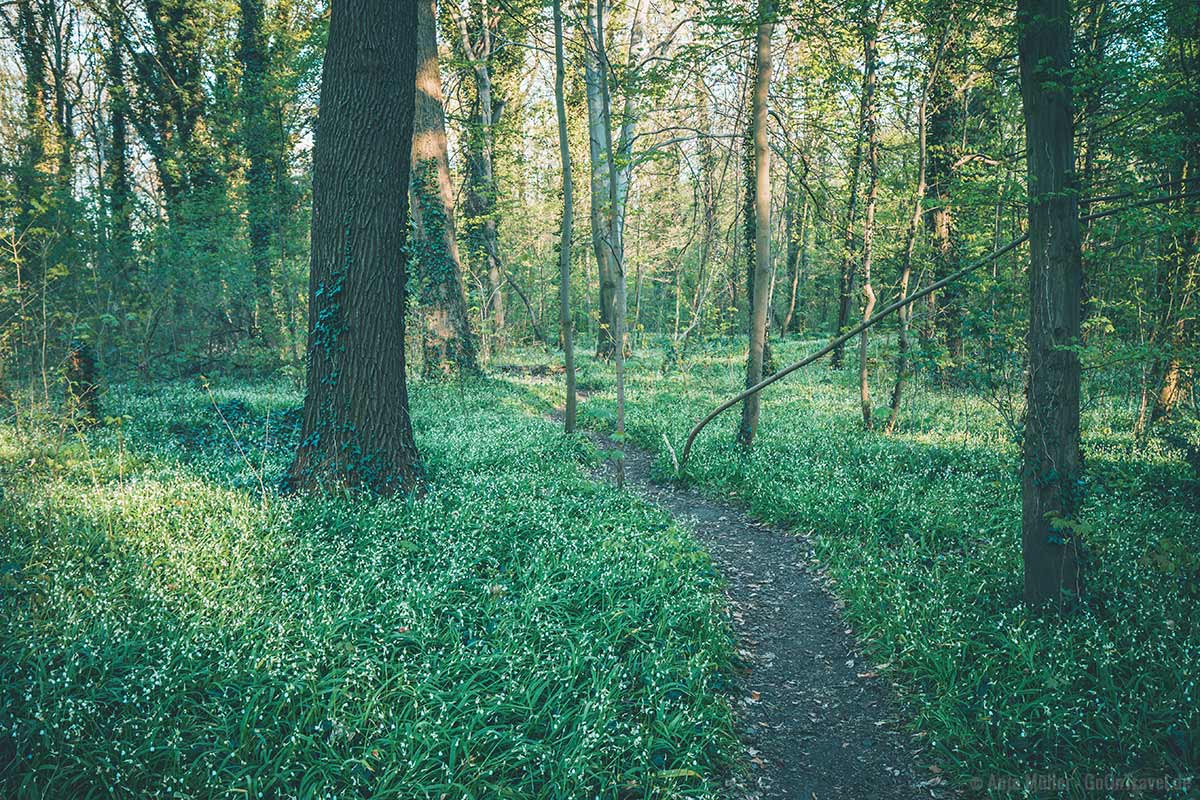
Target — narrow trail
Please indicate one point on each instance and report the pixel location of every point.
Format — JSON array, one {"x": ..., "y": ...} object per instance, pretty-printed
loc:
[{"x": 815, "y": 720}]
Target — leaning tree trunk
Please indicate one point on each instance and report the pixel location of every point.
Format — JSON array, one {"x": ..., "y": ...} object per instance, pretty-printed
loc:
[
  {"x": 356, "y": 430},
  {"x": 760, "y": 300},
  {"x": 447, "y": 343},
  {"x": 1052, "y": 460}
]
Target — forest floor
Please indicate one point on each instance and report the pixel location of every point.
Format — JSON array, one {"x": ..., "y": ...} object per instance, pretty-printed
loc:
[{"x": 816, "y": 721}]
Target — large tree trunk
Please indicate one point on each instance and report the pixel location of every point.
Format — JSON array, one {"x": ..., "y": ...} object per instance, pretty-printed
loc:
[
  {"x": 356, "y": 430},
  {"x": 1052, "y": 460},
  {"x": 568, "y": 216},
  {"x": 760, "y": 298},
  {"x": 447, "y": 343},
  {"x": 870, "y": 133}
]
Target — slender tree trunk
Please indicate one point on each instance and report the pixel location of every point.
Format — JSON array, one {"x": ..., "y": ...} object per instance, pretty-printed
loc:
[
  {"x": 117, "y": 164},
  {"x": 1052, "y": 460},
  {"x": 611, "y": 169},
  {"x": 602, "y": 245},
  {"x": 1178, "y": 318},
  {"x": 568, "y": 214},
  {"x": 943, "y": 129},
  {"x": 846, "y": 280},
  {"x": 356, "y": 430},
  {"x": 910, "y": 240},
  {"x": 619, "y": 297},
  {"x": 760, "y": 298},
  {"x": 870, "y": 133},
  {"x": 448, "y": 344},
  {"x": 482, "y": 220},
  {"x": 797, "y": 233},
  {"x": 257, "y": 140}
]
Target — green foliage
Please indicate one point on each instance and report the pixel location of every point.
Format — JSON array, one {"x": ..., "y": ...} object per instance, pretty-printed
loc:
[
  {"x": 919, "y": 537},
  {"x": 169, "y": 626}
]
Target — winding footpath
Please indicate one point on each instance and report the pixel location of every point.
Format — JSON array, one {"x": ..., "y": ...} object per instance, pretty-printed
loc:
[{"x": 816, "y": 722}]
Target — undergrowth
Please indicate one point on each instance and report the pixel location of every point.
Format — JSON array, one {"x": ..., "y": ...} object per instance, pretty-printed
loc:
[{"x": 171, "y": 627}]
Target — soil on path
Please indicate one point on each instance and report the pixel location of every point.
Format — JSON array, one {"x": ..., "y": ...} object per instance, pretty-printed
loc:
[{"x": 816, "y": 721}]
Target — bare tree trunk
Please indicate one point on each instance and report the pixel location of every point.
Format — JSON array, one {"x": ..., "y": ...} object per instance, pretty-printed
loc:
[
  {"x": 356, "y": 430},
  {"x": 117, "y": 166},
  {"x": 910, "y": 239},
  {"x": 846, "y": 283},
  {"x": 760, "y": 300},
  {"x": 611, "y": 170},
  {"x": 256, "y": 139},
  {"x": 480, "y": 196},
  {"x": 617, "y": 251},
  {"x": 797, "y": 234},
  {"x": 944, "y": 308},
  {"x": 870, "y": 133},
  {"x": 602, "y": 245},
  {"x": 447, "y": 342},
  {"x": 564, "y": 242},
  {"x": 1052, "y": 459}
]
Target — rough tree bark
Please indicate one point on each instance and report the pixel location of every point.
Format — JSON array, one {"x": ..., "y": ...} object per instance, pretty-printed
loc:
[
  {"x": 1052, "y": 460},
  {"x": 447, "y": 342},
  {"x": 761, "y": 298},
  {"x": 356, "y": 431}
]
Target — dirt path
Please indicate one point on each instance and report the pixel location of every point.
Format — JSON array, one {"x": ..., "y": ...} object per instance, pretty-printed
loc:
[{"x": 816, "y": 722}]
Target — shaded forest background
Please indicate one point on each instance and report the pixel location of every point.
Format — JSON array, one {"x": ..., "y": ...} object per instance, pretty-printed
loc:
[{"x": 155, "y": 174}]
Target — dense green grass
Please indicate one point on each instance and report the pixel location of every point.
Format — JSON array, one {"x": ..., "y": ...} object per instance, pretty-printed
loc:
[
  {"x": 171, "y": 627},
  {"x": 920, "y": 537}
]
